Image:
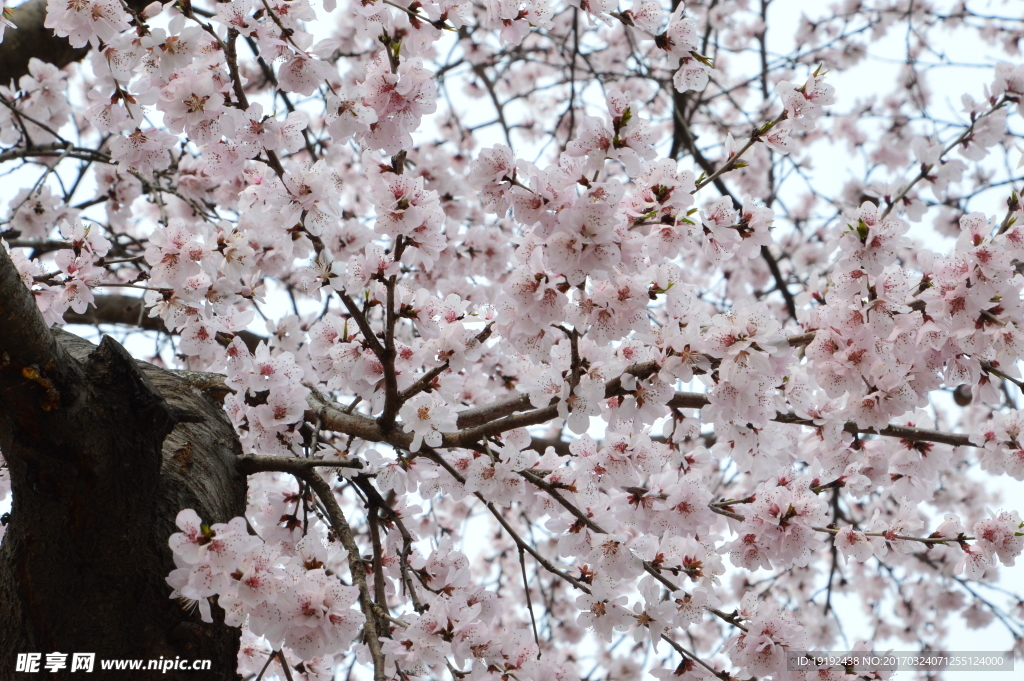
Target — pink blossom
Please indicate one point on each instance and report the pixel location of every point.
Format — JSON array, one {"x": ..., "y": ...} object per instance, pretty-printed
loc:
[
  {"x": 427, "y": 417},
  {"x": 142, "y": 151},
  {"x": 86, "y": 21}
]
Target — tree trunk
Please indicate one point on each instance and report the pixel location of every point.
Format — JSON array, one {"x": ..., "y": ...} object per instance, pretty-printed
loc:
[{"x": 103, "y": 451}]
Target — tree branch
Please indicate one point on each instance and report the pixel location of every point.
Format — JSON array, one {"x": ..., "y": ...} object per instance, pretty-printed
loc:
[
  {"x": 355, "y": 561},
  {"x": 131, "y": 311},
  {"x": 37, "y": 370}
]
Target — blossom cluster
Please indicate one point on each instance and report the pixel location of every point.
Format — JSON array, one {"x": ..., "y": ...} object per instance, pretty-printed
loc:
[
  {"x": 269, "y": 399},
  {"x": 287, "y": 593}
]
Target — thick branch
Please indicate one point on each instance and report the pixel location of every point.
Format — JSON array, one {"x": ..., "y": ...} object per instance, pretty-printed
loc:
[
  {"x": 34, "y": 368},
  {"x": 261, "y": 464},
  {"x": 100, "y": 480},
  {"x": 504, "y": 417},
  {"x": 131, "y": 311}
]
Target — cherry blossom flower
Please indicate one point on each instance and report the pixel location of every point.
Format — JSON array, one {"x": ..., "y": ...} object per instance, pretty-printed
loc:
[
  {"x": 5, "y": 19},
  {"x": 427, "y": 417},
  {"x": 86, "y": 21},
  {"x": 142, "y": 151},
  {"x": 853, "y": 543},
  {"x": 192, "y": 102}
]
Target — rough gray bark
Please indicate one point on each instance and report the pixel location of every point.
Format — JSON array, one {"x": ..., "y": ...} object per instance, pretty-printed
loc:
[{"x": 103, "y": 451}]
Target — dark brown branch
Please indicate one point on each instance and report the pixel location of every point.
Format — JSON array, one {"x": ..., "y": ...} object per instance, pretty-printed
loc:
[
  {"x": 131, "y": 311},
  {"x": 261, "y": 464},
  {"x": 520, "y": 542},
  {"x": 392, "y": 398},
  {"x": 682, "y": 138},
  {"x": 51, "y": 150},
  {"x": 335, "y": 417},
  {"x": 34, "y": 369},
  {"x": 477, "y": 416}
]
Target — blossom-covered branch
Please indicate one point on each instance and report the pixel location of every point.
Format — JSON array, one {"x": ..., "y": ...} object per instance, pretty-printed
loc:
[{"x": 531, "y": 325}]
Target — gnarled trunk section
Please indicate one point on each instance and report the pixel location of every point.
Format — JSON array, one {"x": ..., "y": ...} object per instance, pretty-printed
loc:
[{"x": 103, "y": 451}]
